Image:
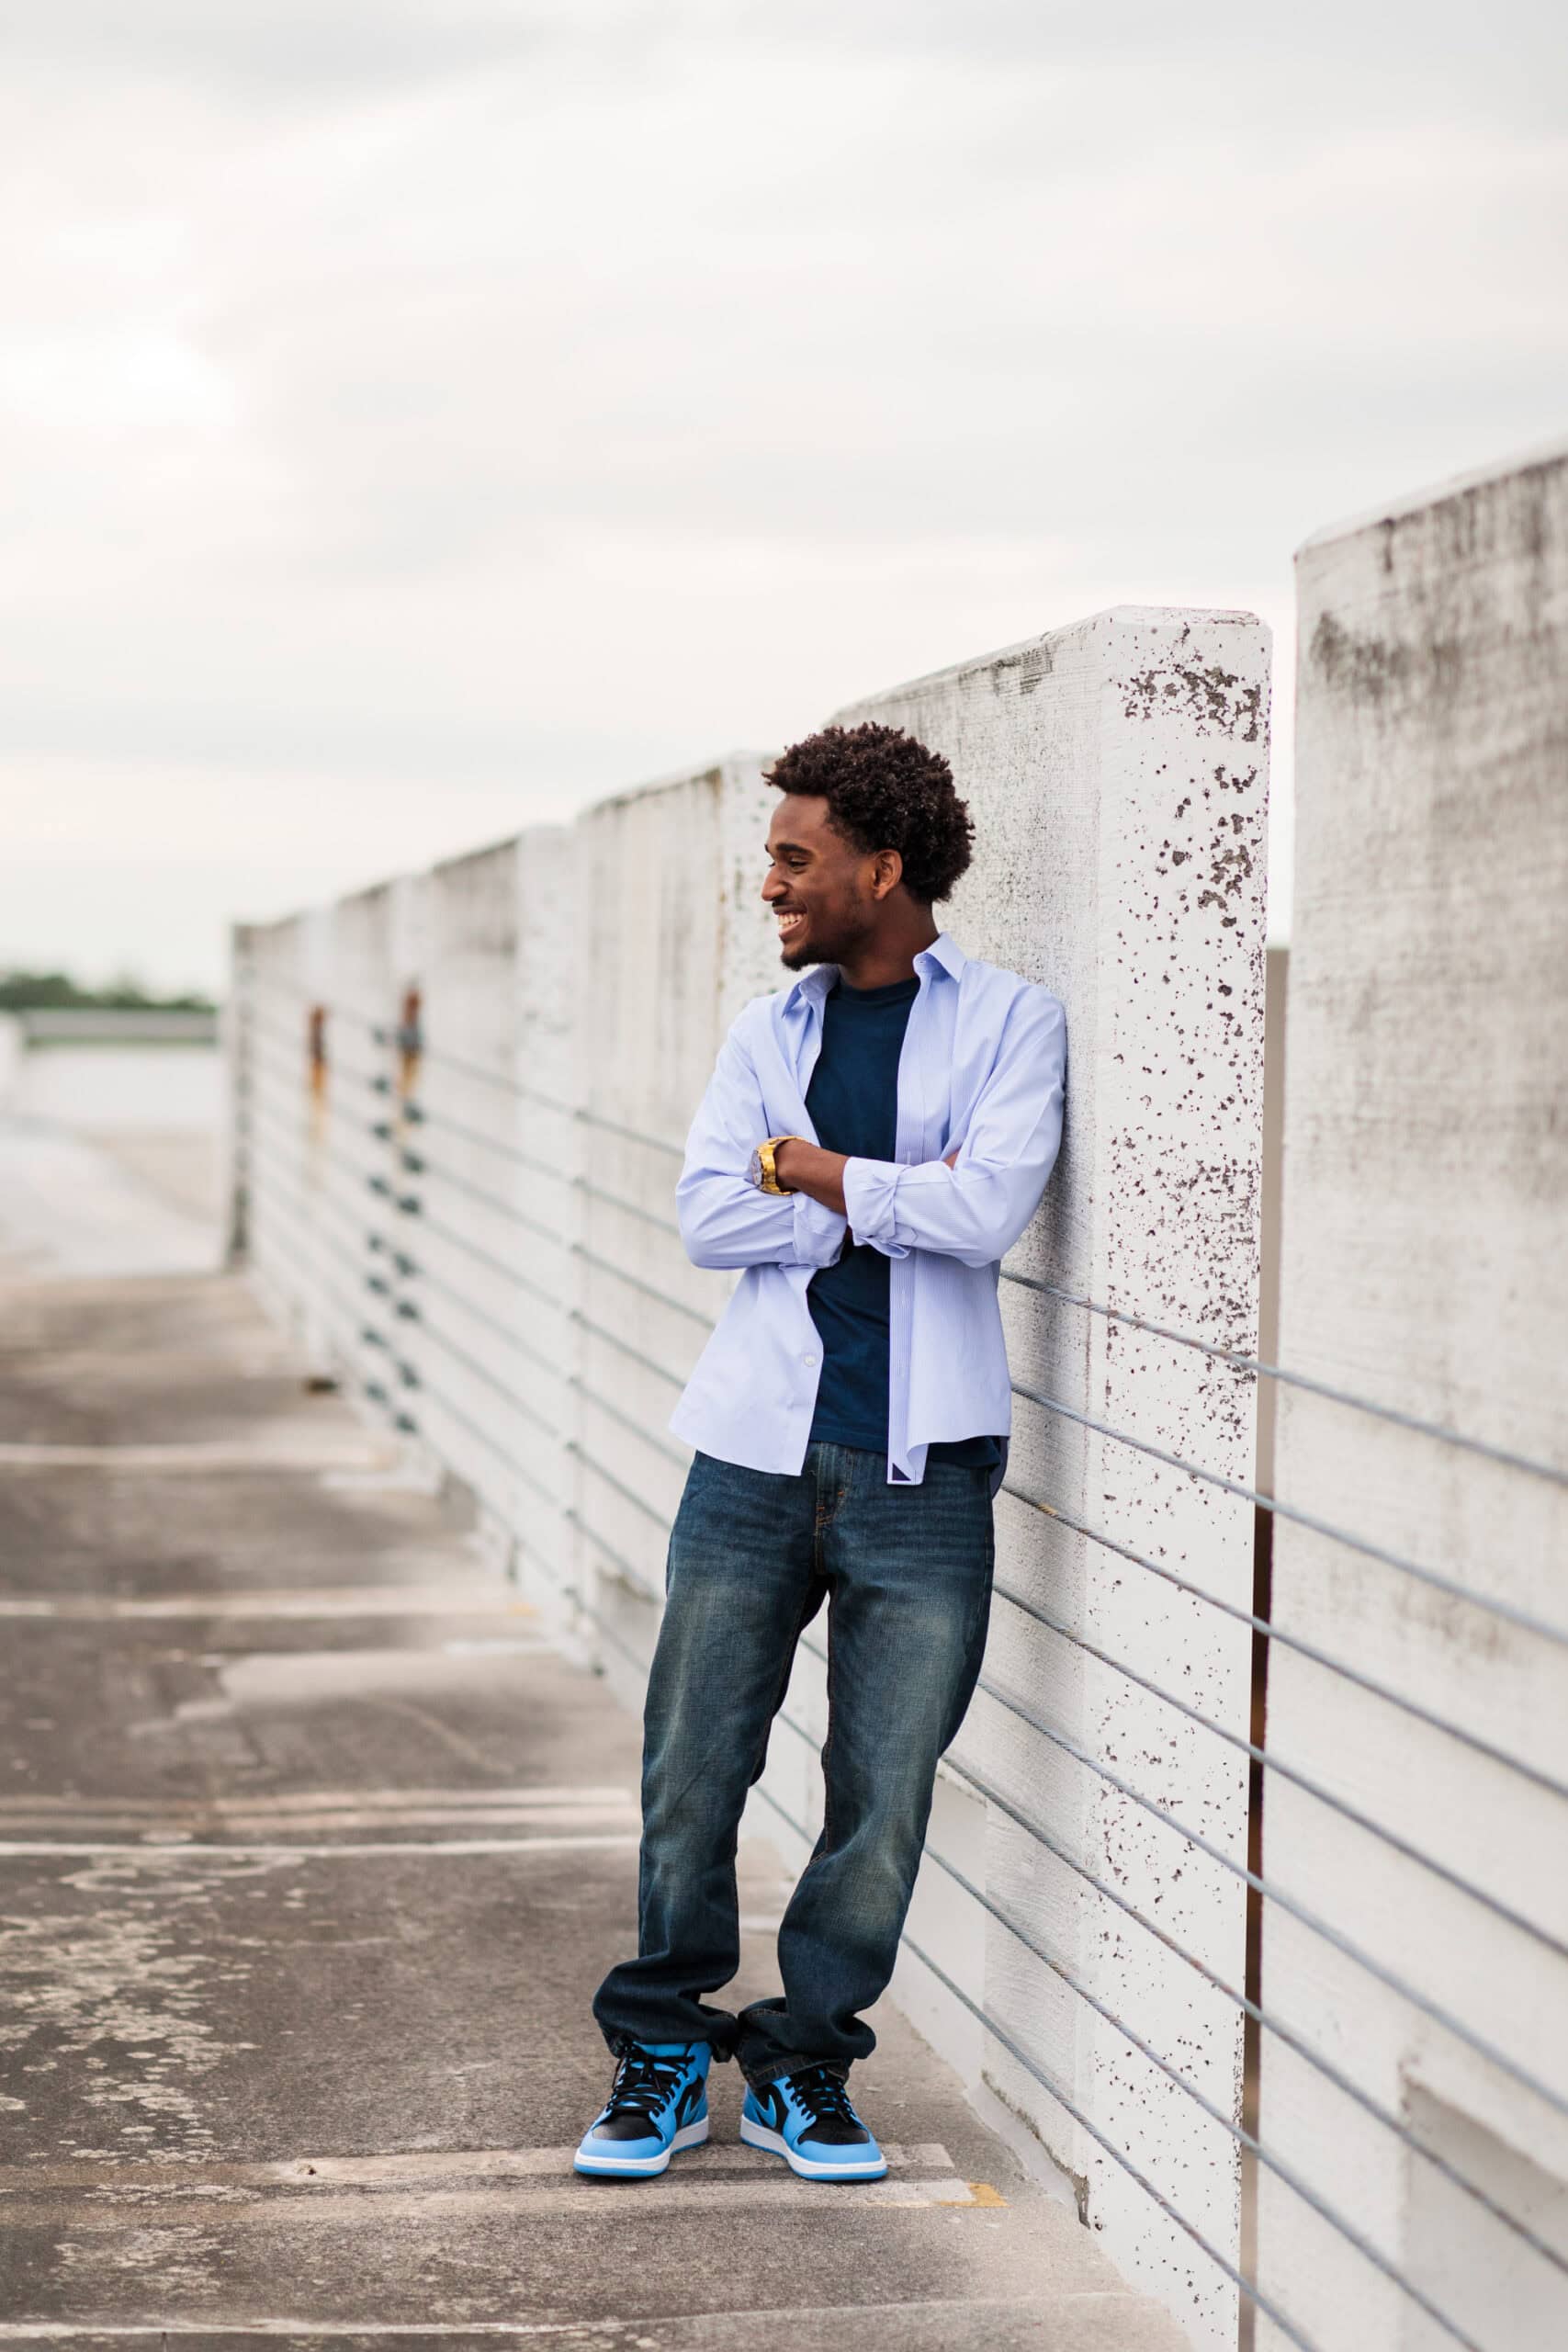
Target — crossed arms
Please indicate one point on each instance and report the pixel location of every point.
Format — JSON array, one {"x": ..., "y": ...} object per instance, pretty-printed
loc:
[{"x": 971, "y": 1205}]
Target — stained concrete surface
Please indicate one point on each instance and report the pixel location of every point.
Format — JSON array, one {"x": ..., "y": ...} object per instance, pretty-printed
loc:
[{"x": 300, "y": 1916}]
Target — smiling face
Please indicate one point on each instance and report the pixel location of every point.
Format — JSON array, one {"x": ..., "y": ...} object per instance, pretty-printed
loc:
[{"x": 829, "y": 898}]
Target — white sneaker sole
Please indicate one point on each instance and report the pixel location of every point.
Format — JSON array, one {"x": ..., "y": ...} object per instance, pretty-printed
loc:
[
  {"x": 757, "y": 2135},
  {"x": 643, "y": 2168}
]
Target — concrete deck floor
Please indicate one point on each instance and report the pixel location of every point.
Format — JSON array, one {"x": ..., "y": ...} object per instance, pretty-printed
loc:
[{"x": 310, "y": 1856}]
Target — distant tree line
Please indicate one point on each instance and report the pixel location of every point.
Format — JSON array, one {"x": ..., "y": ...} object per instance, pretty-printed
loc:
[{"x": 58, "y": 993}]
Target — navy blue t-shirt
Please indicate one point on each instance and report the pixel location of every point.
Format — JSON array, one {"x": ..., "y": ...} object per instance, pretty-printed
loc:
[{"x": 853, "y": 1102}]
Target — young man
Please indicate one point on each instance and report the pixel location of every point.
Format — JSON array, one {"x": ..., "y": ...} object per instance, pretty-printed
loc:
[{"x": 874, "y": 1139}]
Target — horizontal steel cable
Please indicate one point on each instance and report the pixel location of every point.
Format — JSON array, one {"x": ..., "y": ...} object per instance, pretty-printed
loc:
[
  {"x": 403, "y": 1422},
  {"x": 1031, "y": 2066},
  {"x": 632, "y": 1134},
  {"x": 262, "y": 1036},
  {"x": 295, "y": 1177},
  {"x": 623, "y": 1568},
  {"x": 300, "y": 1214},
  {"x": 411, "y": 1313},
  {"x": 482, "y": 1373},
  {"x": 625, "y": 1347},
  {"x": 1240, "y": 1361},
  {"x": 317, "y": 1144},
  {"x": 648, "y": 1290},
  {"x": 1432, "y": 1577},
  {"x": 420, "y": 1117},
  {"x": 1273, "y": 1632},
  {"x": 1249, "y": 2007},
  {"x": 1287, "y": 1903},
  {"x": 493, "y": 1201},
  {"x": 525, "y": 1159},
  {"x": 1206, "y": 2105},
  {"x": 596, "y": 1617},
  {"x": 264, "y": 1042},
  {"x": 430, "y": 1225},
  {"x": 263, "y": 984},
  {"x": 502, "y": 1452},
  {"x": 1270, "y": 1762},
  {"x": 631, "y": 1208},
  {"x": 639, "y": 1502},
  {"x": 602, "y": 1404},
  {"x": 550, "y": 1101},
  {"x": 353, "y": 1310},
  {"x": 505, "y": 1079}
]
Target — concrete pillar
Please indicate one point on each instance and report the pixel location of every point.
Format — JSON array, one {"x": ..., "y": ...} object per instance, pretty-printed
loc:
[
  {"x": 1117, "y": 771},
  {"x": 1425, "y": 1169}
]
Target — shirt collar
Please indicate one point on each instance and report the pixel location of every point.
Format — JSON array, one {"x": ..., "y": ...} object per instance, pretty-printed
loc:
[{"x": 944, "y": 955}]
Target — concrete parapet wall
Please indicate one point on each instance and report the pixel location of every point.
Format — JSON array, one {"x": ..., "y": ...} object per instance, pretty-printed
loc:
[
  {"x": 505, "y": 1275},
  {"x": 1118, "y": 772},
  {"x": 1425, "y": 1169}
]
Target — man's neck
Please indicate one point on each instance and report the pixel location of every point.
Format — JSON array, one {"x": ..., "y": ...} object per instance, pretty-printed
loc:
[{"x": 882, "y": 961}]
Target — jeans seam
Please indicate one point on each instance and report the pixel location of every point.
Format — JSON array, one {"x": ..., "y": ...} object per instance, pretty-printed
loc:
[{"x": 827, "y": 1845}]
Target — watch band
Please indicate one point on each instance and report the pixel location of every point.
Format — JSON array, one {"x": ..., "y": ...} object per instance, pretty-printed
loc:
[{"x": 764, "y": 1175}]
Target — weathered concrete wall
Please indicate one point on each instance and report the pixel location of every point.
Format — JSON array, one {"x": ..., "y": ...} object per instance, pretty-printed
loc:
[
  {"x": 1117, "y": 773},
  {"x": 1425, "y": 1169}
]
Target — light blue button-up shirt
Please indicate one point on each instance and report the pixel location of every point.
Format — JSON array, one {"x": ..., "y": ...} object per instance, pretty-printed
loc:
[{"x": 984, "y": 1066}]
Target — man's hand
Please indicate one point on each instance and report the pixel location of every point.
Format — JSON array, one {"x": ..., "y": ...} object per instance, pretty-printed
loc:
[{"x": 806, "y": 1168}]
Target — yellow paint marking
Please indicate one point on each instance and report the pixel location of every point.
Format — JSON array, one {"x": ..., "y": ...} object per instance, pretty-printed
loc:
[{"x": 980, "y": 2193}]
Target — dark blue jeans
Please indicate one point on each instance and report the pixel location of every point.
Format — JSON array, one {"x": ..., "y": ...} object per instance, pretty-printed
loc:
[{"x": 907, "y": 1575}]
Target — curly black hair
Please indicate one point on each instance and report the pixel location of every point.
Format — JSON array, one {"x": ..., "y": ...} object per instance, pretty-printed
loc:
[{"x": 884, "y": 790}]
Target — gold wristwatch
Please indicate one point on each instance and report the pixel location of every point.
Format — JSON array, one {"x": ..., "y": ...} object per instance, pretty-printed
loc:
[{"x": 761, "y": 1172}]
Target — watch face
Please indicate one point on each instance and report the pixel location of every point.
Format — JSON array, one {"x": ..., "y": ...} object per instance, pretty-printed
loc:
[{"x": 754, "y": 1171}]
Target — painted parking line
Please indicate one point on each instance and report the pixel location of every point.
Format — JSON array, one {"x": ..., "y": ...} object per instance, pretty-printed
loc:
[
  {"x": 161, "y": 1850},
  {"x": 303, "y": 1804},
  {"x": 345, "y": 1600},
  {"x": 406, "y": 2208},
  {"x": 69, "y": 2331},
  {"x": 199, "y": 1459},
  {"x": 151, "y": 2172}
]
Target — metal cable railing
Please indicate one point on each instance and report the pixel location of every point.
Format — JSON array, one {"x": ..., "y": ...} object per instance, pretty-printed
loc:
[
  {"x": 603, "y": 1265},
  {"x": 1523, "y": 1618},
  {"x": 1238, "y": 1361},
  {"x": 1267, "y": 1761},
  {"x": 1068, "y": 2105},
  {"x": 1271, "y": 1631},
  {"x": 1243, "y": 2139},
  {"x": 641, "y": 1280},
  {"x": 1387, "y": 1977}
]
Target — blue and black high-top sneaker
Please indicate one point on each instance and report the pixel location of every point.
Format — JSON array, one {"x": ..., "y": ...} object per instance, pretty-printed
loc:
[
  {"x": 806, "y": 2118},
  {"x": 658, "y": 2103}
]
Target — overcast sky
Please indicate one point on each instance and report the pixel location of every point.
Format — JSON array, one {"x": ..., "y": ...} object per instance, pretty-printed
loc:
[{"x": 421, "y": 416}]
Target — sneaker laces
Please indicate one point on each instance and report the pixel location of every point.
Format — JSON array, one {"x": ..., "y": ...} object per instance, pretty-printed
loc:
[
  {"x": 645, "y": 2081},
  {"x": 824, "y": 2096}
]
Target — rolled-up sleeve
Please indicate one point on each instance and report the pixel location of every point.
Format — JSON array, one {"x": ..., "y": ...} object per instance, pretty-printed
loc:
[
  {"x": 724, "y": 1220},
  {"x": 976, "y": 1209}
]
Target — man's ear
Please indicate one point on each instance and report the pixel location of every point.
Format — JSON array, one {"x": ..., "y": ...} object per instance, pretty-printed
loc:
[{"x": 887, "y": 872}]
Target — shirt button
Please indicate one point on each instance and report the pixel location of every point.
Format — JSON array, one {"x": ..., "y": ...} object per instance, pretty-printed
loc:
[{"x": 808, "y": 1362}]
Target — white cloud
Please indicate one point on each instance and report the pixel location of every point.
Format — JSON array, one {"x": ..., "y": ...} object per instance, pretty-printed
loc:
[{"x": 417, "y": 398}]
